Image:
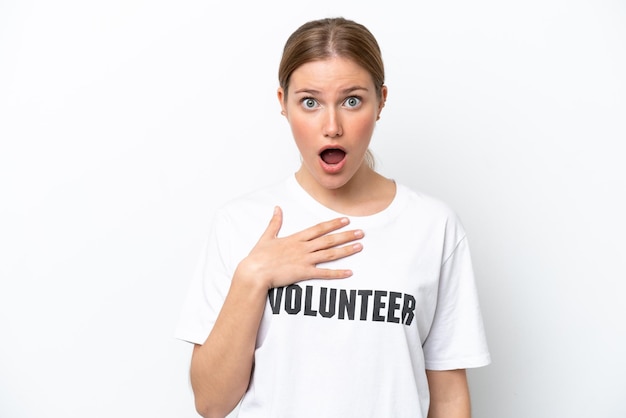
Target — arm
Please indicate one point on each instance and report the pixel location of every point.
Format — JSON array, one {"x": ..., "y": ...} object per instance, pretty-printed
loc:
[
  {"x": 222, "y": 366},
  {"x": 449, "y": 394}
]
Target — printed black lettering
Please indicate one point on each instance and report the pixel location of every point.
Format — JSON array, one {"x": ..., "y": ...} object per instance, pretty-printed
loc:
[
  {"x": 327, "y": 307},
  {"x": 275, "y": 295},
  {"x": 347, "y": 305},
  {"x": 326, "y": 302},
  {"x": 408, "y": 309},
  {"x": 308, "y": 297},
  {"x": 365, "y": 294},
  {"x": 293, "y": 299},
  {"x": 394, "y": 305},
  {"x": 378, "y": 306}
]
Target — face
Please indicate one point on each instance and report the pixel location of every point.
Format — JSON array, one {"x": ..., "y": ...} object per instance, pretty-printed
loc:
[{"x": 332, "y": 108}]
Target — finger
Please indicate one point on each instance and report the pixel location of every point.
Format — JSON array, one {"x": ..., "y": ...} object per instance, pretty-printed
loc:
[
  {"x": 329, "y": 274},
  {"x": 323, "y": 228},
  {"x": 275, "y": 224},
  {"x": 332, "y": 254},
  {"x": 333, "y": 240}
]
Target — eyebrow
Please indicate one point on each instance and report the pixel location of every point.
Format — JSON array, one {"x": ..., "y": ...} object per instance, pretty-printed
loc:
[{"x": 344, "y": 91}]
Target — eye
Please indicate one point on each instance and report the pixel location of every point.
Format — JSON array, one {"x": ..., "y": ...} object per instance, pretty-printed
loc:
[
  {"x": 309, "y": 103},
  {"x": 352, "y": 101}
]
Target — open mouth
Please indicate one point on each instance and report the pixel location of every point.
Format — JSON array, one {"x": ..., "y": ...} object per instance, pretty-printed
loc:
[{"x": 332, "y": 156}]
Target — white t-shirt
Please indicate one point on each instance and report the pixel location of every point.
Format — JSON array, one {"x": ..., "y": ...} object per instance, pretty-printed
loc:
[{"x": 355, "y": 347}]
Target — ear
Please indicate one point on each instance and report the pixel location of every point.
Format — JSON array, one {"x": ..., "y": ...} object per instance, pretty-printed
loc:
[
  {"x": 281, "y": 99},
  {"x": 383, "y": 99}
]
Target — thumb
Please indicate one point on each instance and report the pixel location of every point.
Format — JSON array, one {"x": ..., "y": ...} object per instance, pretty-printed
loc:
[{"x": 275, "y": 224}]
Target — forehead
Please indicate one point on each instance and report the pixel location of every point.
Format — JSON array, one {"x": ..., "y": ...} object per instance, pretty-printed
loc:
[{"x": 330, "y": 73}]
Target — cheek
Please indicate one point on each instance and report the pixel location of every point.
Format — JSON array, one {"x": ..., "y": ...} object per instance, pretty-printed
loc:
[
  {"x": 302, "y": 130},
  {"x": 363, "y": 128}
]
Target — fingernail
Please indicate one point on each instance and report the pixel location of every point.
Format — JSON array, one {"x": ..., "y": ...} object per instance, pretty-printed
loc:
[
  {"x": 344, "y": 221},
  {"x": 358, "y": 233}
]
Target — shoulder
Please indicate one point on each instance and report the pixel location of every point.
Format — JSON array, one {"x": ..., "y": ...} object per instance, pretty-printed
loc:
[
  {"x": 250, "y": 211},
  {"x": 432, "y": 213},
  {"x": 426, "y": 205},
  {"x": 264, "y": 197},
  {"x": 237, "y": 223}
]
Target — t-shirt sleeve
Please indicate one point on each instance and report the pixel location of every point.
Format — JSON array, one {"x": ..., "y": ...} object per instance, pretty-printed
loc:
[
  {"x": 207, "y": 290},
  {"x": 457, "y": 338}
]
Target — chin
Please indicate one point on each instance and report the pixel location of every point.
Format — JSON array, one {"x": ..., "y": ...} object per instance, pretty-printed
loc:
[{"x": 335, "y": 182}]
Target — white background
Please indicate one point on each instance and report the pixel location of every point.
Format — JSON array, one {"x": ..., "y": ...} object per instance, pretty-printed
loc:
[{"x": 123, "y": 124}]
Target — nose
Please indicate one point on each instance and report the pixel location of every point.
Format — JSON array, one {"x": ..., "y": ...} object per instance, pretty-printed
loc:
[{"x": 332, "y": 124}]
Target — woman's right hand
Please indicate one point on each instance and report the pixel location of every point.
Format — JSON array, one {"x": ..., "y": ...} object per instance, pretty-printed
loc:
[
  {"x": 277, "y": 262},
  {"x": 221, "y": 367}
]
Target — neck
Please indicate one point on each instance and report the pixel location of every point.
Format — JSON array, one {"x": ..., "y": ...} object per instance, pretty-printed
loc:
[{"x": 365, "y": 194}]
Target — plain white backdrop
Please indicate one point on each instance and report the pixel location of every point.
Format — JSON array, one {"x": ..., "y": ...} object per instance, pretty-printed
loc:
[{"x": 125, "y": 123}]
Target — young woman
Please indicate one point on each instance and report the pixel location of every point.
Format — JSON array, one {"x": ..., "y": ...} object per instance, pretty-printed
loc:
[{"x": 358, "y": 298}]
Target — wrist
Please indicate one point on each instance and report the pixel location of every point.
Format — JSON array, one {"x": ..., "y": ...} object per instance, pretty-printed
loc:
[{"x": 248, "y": 275}]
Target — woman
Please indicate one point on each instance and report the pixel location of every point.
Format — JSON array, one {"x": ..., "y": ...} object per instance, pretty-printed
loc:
[{"x": 358, "y": 298}]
